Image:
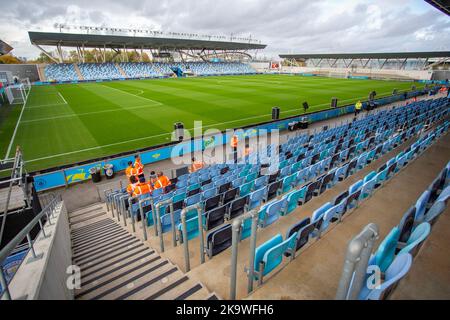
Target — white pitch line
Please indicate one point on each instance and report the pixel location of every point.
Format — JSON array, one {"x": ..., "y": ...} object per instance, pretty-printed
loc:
[
  {"x": 17, "y": 126},
  {"x": 62, "y": 97},
  {"x": 89, "y": 113},
  {"x": 47, "y": 105},
  {"x": 154, "y": 101}
]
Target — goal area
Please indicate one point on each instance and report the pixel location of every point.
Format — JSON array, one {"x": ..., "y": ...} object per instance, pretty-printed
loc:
[{"x": 18, "y": 93}]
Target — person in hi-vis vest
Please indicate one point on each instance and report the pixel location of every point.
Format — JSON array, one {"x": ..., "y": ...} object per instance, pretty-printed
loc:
[
  {"x": 138, "y": 166},
  {"x": 358, "y": 107},
  {"x": 234, "y": 144}
]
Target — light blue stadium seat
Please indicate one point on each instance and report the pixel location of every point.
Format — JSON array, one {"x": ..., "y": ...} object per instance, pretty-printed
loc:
[
  {"x": 196, "y": 198},
  {"x": 369, "y": 176},
  {"x": 272, "y": 212},
  {"x": 238, "y": 182},
  {"x": 421, "y": 206},
  {"x": 209, "y": 193},
  {"x": 386, "y": 251},
  {"x": 257, "y": 197},
  {"x": 246, "y": 188},
  {"x": 166, "y": 222},
  {"x": 288, "y": 183},
  {"x": 367, "y": 189},
  {"x": 419, "y": 235},
  {"x": 191, "y": 227},
  {"x": 396, "y": 271},
  {"x": 269, "y": 255},
  {"x": 261, "y": 182}
]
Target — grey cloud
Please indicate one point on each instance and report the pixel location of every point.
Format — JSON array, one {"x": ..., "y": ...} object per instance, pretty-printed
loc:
[{"x": 285, "y": 25}]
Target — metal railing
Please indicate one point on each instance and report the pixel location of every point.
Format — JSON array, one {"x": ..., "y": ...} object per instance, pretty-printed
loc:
[
  {"x": 187, "y": 259},
  {"x": 236, "y": 238},
  {"x": 356, "y": 261},
  {"x": 48, "y": 212}
]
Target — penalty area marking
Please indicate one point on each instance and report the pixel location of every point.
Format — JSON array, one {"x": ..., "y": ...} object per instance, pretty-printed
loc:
[{"x": 134, "y": 95}]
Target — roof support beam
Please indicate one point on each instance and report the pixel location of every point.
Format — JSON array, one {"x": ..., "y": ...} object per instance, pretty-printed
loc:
[{"x": 46, "y": 53}]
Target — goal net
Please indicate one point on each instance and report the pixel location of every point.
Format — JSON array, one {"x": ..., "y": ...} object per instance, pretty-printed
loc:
[
  {"x": 341, "y": 75},
  {"x": 18, "y": 93}
]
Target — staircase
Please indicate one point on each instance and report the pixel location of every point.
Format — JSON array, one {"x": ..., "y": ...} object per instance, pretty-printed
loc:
[
  {"x": 121, "y": 70},
  {"x": 77, "y": 70},
  {"x": 115, "y": 265}
]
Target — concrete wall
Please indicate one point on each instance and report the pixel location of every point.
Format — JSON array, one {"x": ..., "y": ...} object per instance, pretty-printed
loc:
[
  {"x": 22, "y": 71},
  {"x": 45, "y": 278}
]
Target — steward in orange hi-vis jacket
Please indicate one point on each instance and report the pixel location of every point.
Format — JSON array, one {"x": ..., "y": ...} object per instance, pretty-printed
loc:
[
  {"x": 162, "y": 182},
  {"x": 138, "y": 166},
  {"x": 142, "y": 188}
]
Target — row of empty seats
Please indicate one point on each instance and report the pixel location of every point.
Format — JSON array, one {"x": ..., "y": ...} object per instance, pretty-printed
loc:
[
  {"x": 311, "y": 163},
  {"x": 95, "y": 71},
  {"x": 271, "y": 252},
  {"x": 394, "y": 256}
]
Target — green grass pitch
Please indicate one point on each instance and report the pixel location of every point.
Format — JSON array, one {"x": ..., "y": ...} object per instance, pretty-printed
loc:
[{"x": 67, "y": 123}]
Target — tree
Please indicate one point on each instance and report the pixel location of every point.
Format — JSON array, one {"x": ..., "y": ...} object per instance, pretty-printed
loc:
[
  {"x": 42, "y": 59},
  {"x": 9, "y": 59}
]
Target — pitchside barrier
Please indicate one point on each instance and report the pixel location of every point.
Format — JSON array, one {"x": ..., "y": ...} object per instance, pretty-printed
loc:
[
  {"x": 54, "y": 178},
  {"x": 45, "y": 83}
]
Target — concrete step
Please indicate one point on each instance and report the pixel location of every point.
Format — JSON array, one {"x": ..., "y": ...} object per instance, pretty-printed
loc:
[
  {"x": 116, "y": 265},
  {"x": 120, "y": 280}
]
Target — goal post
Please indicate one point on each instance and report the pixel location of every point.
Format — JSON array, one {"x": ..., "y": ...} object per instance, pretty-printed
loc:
[{"x": 18, "y": 93}]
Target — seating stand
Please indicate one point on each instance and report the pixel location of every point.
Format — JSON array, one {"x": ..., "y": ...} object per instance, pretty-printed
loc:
[{"x": 187, "y": 261}]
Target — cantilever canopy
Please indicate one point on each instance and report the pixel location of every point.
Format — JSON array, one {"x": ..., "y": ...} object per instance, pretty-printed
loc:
[
  {"x": 130, "y": 42},
  {"x": 442, "y": 5},
  {"x": 4, "y": 48},
  {"x": 386, "y": 55}
]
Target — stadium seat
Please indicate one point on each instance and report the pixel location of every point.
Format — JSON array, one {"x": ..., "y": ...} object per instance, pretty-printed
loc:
[
  {"x": 218, "y": 240},
  {"x": 386, "y": 251},
  {"x": 269, "y": 255},
  {"x": 396, "y": 271},
  {"x": 237, "y": 207},
  {"x": 215, "y": 217},
  {"x": 419, "y": 235}
]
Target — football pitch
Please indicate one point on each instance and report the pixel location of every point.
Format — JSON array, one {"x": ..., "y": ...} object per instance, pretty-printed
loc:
[{"x": 67, "y": 123}]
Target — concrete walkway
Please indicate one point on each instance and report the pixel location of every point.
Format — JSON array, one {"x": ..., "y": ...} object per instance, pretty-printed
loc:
[
  {"x": 429, "y": 276},
  {"x": 315, "y": 273}
]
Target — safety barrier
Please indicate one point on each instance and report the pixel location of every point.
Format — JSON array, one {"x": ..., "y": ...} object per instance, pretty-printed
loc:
[
  {"x": 47, "y": 212},
  {"x": 356, "y": 260}
]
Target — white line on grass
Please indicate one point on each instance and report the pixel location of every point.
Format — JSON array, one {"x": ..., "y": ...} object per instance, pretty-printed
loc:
[
  {"x": 154, "y": 101},
  {"x": 89, "y": 113},
  {"x": 17, "y": 126},
  {"x": 47, "y": 105},
  {"x": 59, "y": 93}
]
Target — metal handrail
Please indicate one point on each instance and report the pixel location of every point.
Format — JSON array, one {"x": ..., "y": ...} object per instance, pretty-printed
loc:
[
  {"x": 187, "y": 261},
  {"x": 236, "y": 234},
  {"x": 25, "y": 233},
  {"x": 356, "y": 261},
  {"x": 159, "y": 225}
]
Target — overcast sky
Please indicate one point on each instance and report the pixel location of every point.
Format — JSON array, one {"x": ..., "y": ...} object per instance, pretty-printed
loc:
[{"x": 286, "y": 26}]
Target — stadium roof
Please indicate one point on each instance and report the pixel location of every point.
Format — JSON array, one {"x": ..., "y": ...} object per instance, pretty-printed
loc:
[
  {"x": 442, "y": 5},
  {"x": 130, "y": 42},
  {"x": 4, "y": 48},
  {"x": 386, "y": 55}
]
